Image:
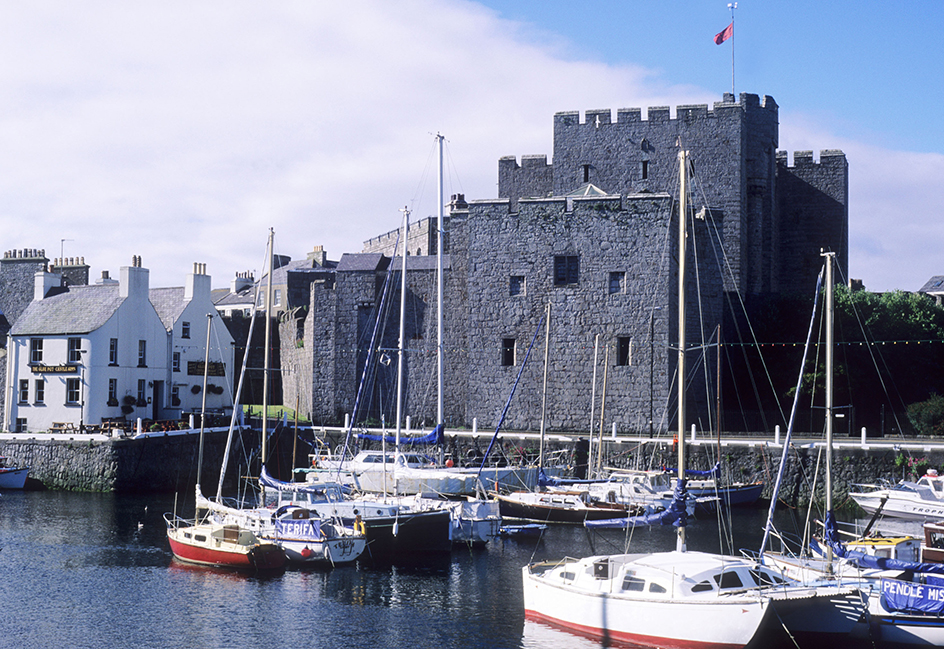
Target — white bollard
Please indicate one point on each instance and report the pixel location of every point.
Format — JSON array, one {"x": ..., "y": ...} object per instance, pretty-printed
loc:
[
  {"x": 693, "y": 432},
  {"x": 777, "y": 434},
  {"x": 475, "y": 425},
  {"x": 408, "y": 424},
  {"x": 139, "y": 425},
  {"x": 191, "y": 421},
  {"x": 614, "y": 430},
  {"x": 864, "y": 443},
  {"x": 347, "y": 421}
]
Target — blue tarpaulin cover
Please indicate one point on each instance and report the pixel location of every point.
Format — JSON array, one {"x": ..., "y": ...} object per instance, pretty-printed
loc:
[
  {"x": 676, "y": 514},
  {"x": 434, "y": 437}
]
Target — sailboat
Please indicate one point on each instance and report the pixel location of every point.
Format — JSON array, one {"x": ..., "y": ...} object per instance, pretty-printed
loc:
[
  {"x": 205, "y": 541},
  {"x": 905, "y": 598},
  {"x": 305, "y": 536},
  {"x": 678, "y": 598}
]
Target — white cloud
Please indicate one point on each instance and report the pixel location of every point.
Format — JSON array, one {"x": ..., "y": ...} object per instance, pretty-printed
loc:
[{"x": 181, "y": 132}]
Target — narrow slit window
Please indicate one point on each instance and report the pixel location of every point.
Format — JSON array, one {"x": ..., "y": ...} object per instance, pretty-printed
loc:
[{"x": 508, "y": 351}]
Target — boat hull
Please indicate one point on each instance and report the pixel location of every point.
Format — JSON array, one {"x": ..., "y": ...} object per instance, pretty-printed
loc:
[
  {"x": 13, "y": 478},
  {"x": 612, "y": 618},
  {"x": 894, "y": 506},
  {"x": 265, "y": 556},
  {"x": 548, "y": 513},
  {"x": 408, "y": 534}
]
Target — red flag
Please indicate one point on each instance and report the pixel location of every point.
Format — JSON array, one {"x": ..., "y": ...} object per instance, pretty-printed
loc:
[{"x": 724, "y": 34}]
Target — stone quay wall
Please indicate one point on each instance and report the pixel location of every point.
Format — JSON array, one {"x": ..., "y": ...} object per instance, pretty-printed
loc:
[
  {"x": 168, "y": 463},
  {"x": 150, "y": 464}
]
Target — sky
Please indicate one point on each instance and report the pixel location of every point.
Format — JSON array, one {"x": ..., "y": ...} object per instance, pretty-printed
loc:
[{"x": 182, "y": 132}]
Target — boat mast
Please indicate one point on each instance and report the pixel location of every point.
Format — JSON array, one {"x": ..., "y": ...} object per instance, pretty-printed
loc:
[
  {"x": 439, "y": 287},
  {"x": 265, "y": 366},
  {"x": 206, "y": 365},
  {"x": 683, "y": 222},
  {"x": 405, "y": 251},
  {"x": 830, "y": 256},
  {"x": 547, "y": 342}
]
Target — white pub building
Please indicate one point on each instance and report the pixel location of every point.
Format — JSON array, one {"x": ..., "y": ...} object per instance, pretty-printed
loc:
[{"x": 81, "y": 356}]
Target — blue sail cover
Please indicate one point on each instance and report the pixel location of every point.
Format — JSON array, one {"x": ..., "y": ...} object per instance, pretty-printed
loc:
[
  {"x": 318, "y": 488},
  {"x": 868, "y": 561},
  {"x": 433, "y": 437},
  {"x": 676, "y": 514},
  {"x": 911, "y": 597}
]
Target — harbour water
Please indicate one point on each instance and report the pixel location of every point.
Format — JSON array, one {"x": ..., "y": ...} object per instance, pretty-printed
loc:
[{"x": 94, "y": 571}]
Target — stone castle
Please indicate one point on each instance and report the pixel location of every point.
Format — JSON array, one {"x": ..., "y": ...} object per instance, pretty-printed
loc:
[{"x": 590, "y": 234}]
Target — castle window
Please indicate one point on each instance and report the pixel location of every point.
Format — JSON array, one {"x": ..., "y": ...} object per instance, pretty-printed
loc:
[
  {"x": 624, "y": 350},
  {"x": 508, "y": 351},
  {"x": 75, "y": 350},
  {"x": 72, "y": 391},
  {"x": 185, "y": 330},
  {"x": 566, "y": 269},
  {"x": 113, "y": 351},
  {"x": 516, "y": 285},
  {"x": 36, "y": 350},
  {"x": 39, "y": 396},
  {"x": 617, "y": 282},
  {"x": 644, "y": 170},
  {"x": 24, "y": 390},
  {"x": 586, "y": 173}
]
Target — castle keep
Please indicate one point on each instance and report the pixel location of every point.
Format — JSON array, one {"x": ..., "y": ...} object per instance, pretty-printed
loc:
[{"x": 591, "y": 234}]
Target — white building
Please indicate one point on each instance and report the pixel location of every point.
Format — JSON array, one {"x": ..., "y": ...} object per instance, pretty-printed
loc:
[{"x": 80, "y": 355}]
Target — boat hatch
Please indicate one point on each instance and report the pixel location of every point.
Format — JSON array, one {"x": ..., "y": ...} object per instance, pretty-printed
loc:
[{"x": 601, "y": 569}]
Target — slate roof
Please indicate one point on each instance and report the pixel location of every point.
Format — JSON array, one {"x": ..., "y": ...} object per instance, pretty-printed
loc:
[
  {"x": 360, "y": 261},
  {"x": 80, "y": 311},
  {"x": 933, "y": 285},
  {"x": 169, "y": 304}
]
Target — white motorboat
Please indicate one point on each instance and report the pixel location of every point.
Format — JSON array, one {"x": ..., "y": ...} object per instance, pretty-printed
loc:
[
  {"x": 12, "y": 477},
  {"x": 920, "y": 501}
]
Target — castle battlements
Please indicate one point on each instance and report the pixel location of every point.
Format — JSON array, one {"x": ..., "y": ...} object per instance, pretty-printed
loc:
[
  {"x": 660, "y": 115},
  {"x": 804, "y": 159}
]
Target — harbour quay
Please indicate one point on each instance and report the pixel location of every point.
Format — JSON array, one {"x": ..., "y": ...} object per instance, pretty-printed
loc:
[{"x": 166, "y": 461}]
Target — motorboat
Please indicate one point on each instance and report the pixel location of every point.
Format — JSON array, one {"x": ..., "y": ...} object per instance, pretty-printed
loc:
[
  {"x": 12, "y": 477},
  {"x": 920, "y": 501}
]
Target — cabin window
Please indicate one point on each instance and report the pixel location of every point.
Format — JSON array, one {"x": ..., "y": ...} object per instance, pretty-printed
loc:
[
  {"x": 656, "y": 588},
  {"x": 72, "y": 391},
  {"x": 617, "y": 282},
  {"x": 728, "y": 580},
  {"x": 185, "y": 330},
  {"x": 75, "y": 350},
  {"x": 566, "y": 270},
  {"x": 508, "y": 351},
  {"x": 199, "y": 538},
  {"x": 516, "y": 285},
  {"x": 39, "y": 396},
  {"x": 624, "y": 350},
  {"x": 36, "y": 350},
  {"x": 633, "y": 583},
  {"x": 24, "y": 390},
  {"x": 764, "y": 578},
  {"x": 113, "y": 351},
  {"x": 702, "y": 586},
  {"x": 142, "y": 353},
  {"x": 568, "y": 576}
]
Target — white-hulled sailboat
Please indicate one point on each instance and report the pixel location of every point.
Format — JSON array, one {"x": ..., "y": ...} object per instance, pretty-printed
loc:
[{"x": 676, "y": 599}]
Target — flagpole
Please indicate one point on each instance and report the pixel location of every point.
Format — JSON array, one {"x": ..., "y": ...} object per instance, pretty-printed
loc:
[{"x": 732, "y": 6}]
